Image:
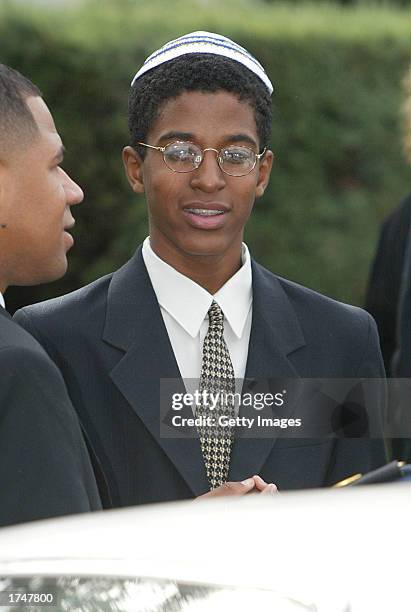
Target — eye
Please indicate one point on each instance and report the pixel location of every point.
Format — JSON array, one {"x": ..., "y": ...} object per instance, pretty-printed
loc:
[
  {"x": 237, "y": 155},
  {"x": 181, "y": 152}
]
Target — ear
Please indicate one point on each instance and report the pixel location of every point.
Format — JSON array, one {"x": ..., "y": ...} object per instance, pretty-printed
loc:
[
  {"x": 133, "y": 166},
  {"x": 264, "y": 172}
]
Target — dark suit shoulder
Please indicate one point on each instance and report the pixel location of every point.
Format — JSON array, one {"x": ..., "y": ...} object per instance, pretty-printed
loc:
[
  {"x": 342, "y": 339},
  {"x": 335, "y": 311},
  {"x": 74, "y": 303},
  {"x": 82, "y": 313},
  {"x": 17, "y": 340},
  {"x": 314, "y": 307},
  {"x": 83, "y": 308}
]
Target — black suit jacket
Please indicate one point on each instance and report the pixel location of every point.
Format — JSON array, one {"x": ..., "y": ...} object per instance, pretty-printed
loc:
[
  {"x": 402, "y": 360},
  {"x": 389, "y": 301},
  {"x": 110, "y": 342},
  {"x": 45, "y": 469},
  {"x": 388, "y": 269},
  {"x": 401, "y": 363}
]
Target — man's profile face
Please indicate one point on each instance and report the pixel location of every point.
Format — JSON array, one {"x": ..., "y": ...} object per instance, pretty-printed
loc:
[
  {"x": 35, "y": 205},
  {"x": 208, "y": 120}
]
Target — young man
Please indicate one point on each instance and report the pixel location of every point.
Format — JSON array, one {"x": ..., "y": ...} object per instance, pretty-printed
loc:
[
  {"x": 45, "y": 469},
  {"x": 191, "y": 301}
]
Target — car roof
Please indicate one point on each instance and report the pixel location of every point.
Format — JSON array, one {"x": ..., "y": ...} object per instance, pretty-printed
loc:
[{"x": 314, "y": 545}]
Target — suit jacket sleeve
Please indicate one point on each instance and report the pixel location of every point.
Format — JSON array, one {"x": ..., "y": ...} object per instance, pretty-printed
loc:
[
  {"x": 45, "y": 470},
  {"x": 362, "y": 454},
  {"x": 402, "y": 361},
  {"x": 382, "y": 298}
]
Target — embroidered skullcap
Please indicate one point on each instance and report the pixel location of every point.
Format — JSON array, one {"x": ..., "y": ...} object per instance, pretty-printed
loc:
[{"x": 204, "y": 42}]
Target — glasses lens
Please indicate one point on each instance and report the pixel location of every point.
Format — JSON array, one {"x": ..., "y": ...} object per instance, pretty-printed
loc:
[
  {"x": 237, "y": 161},
  {"x": 182, "y": 156}
]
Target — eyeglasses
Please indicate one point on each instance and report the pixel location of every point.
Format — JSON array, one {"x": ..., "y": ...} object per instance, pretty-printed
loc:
[{"x": 183, "y": 156}]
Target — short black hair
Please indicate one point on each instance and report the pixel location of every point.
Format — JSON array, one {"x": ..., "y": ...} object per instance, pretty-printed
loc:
[
  {"x": 203, "y": 72},
  {"x": 16, "y": 119}
]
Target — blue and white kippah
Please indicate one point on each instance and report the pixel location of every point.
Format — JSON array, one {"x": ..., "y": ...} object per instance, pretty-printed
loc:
[{"x": 204, "y": 42}]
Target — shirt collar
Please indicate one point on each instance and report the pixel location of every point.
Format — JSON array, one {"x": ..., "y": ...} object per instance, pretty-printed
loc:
[
  {"x": 188, "y": 303},
  {"x": 2, "y": 302}
]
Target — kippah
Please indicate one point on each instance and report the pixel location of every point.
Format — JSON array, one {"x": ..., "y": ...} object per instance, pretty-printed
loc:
[{"x": 204, "y": 42}]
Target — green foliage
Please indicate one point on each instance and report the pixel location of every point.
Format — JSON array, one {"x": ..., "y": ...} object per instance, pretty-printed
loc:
[{"x": 336, "y": 131}]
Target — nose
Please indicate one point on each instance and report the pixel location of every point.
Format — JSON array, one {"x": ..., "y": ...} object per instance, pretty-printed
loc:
[
  {"x": 74, "y": 192},
  {"x": 208, "y": 177}
]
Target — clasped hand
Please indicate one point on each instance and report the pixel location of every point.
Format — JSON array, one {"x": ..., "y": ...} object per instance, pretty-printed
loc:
[{"x": 255, "y": 484}]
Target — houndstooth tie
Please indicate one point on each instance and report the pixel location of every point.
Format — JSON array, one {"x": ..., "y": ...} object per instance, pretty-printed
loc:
[{"x": 217, "y": 377}]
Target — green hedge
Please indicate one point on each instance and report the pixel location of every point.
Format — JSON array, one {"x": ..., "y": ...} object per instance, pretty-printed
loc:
[{"x": 336, "y": 131}]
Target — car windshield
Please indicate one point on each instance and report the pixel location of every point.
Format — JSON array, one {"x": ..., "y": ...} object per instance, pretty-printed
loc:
[{"x": 109, "y": 594}]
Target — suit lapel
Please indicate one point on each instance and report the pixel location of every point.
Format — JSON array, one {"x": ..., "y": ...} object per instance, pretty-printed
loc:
[
  {"x": 134, "y": 324},
  {"x": 275, "y": 333}
]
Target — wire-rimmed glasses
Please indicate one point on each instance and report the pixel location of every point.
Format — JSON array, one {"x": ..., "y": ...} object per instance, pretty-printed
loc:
[{"x": 182, "y": 156}]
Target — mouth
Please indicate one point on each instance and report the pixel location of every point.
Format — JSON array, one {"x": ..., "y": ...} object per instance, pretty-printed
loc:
[
  {"x": 204, "y": 212},
  {"x": 68, "y": 238},
  {"x": 206, "y": 215}
]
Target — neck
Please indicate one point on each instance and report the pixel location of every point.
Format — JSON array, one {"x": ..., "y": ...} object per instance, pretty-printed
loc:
[{"x": 209, "y": 271}]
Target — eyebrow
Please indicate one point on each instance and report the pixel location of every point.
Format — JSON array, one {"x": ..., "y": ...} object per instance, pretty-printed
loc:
[
  {"x": 241, "y": 138},
  {"x": 174, "y": 134},
  {"x": 189, "y": 136},
  {"x": 60, "y": 153}
]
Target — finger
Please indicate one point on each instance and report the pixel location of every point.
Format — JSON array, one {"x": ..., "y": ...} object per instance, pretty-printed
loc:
[
  {"x": 270, "y": 489},
  {"x": 235, "y": 488},
  {"x": 229, "y": 489},
  {"x": 260, "y": 483}
]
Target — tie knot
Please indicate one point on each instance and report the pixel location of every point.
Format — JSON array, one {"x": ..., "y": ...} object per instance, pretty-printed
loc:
[{"x": 216, "y": 317}]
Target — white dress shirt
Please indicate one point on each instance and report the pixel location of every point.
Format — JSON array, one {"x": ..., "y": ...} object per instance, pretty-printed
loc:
[
  {"x": 184, "y": 306},
  {"x": 2, "y": 302}
]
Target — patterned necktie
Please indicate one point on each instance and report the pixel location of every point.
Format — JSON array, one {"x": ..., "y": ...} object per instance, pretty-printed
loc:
[{"x": 217, "y": 377}]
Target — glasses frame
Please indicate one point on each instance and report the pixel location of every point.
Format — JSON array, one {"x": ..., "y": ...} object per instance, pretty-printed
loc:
[{"x": 257, "y": 156}]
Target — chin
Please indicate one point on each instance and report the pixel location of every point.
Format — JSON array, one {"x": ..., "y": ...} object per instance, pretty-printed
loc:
[
  {"x": 208, "y": 246},
  {"x": 39, "y": 272},
  {"x": 54, "y": 273}
]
